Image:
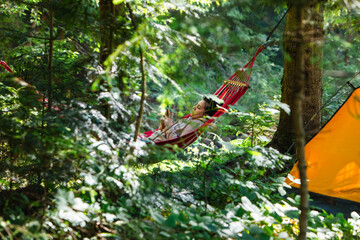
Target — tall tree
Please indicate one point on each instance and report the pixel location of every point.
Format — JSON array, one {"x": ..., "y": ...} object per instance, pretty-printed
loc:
[
  {"x": 313, "y": 34},
  {"x": 107, "y": 17},
  {"x": 106, "y": 9}
]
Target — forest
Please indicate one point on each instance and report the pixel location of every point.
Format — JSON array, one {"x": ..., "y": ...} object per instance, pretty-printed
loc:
[{"x": 82, "y": 81}]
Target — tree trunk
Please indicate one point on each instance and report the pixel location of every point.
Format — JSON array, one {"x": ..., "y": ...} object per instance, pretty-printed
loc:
[
  {"x": 107, "y": 18},
  {"x": 107, "y": 12},
  {"x": 314, "y": 34},
  {"x": 314, "y": 37}
]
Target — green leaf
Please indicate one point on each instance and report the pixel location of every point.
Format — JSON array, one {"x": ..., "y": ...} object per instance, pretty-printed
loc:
[
  {"x": 284, "y": 107},
  {"x": 281, "y": 191},
  {"x": 117, "y": 2},
  {"x": 157, "y": 217},
  {"x": 171, "y": 220}
]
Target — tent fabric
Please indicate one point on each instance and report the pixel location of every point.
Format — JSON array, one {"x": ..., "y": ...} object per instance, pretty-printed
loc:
[{"x": 333, "y": 155}]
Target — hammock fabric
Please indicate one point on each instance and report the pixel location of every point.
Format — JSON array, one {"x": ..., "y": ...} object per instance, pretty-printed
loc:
[
  {"x": 18, "y": 80},
  {"x": 2, "y": 63},
  {"x": 230, "y": 92}
]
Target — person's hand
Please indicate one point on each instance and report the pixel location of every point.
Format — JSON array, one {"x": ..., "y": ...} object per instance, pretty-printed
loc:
[
  {"x": 162, "y": 124},
  {"x": 165, "y": 122}
]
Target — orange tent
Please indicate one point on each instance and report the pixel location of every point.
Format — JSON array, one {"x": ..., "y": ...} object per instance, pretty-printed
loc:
[{"x": 333, "y": 155}]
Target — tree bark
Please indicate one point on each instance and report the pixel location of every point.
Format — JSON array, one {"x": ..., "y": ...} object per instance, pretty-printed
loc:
[
  {"x": 107, "y": 19},
  {"x": 314, "y": 37},
  {"x": 107, "y": 14},
  {"x": 314, "y": 34}
]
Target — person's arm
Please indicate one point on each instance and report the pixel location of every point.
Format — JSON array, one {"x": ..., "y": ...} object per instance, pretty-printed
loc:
[
  {"x": 187, "y": 129},
  {"x": 158, "y": 136}
]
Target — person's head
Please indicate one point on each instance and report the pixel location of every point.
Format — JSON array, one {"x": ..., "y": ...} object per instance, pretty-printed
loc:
[{"x": 206, "y": 106}]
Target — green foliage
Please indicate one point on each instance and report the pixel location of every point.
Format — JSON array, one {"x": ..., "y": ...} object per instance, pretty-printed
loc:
[
  {"x": 253, "y": 128},
  {"x": 340, "y": 52},
  {"x": 35, "y": 146},
  {"x": 219, "y": 194},
  {"x": 72, "y": 171}
]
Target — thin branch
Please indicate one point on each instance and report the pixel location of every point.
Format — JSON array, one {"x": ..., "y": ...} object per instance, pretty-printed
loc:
[
  {"x": 298, "y": 121},
  {"x": 204, "y": 183},
  {"x": 51, "y": 53},
  {"x": 143, "y": 79}
]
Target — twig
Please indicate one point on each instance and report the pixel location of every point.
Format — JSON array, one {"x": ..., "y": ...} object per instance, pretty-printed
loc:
[
  {"x": 8, "y": 231},
  {"x": 51, "y": 52},
  {"x": 143, "y": 79},
  {"x": 204, "y": 184}
]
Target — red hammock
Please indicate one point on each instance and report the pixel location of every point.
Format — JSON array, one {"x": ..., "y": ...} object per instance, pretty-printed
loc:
[
  {"x": 2, "y": 63},
  {"x": 230, "y": 92},
  {"x": 18, "y": 80},
  {"x": 40, "y": 96}
]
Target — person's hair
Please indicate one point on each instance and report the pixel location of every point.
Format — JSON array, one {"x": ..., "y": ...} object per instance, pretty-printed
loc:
[{"x": 210, "y": 106}]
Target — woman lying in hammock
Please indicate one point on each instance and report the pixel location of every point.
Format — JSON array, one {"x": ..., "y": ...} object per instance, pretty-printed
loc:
[{"x": 169, "y": 129}]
